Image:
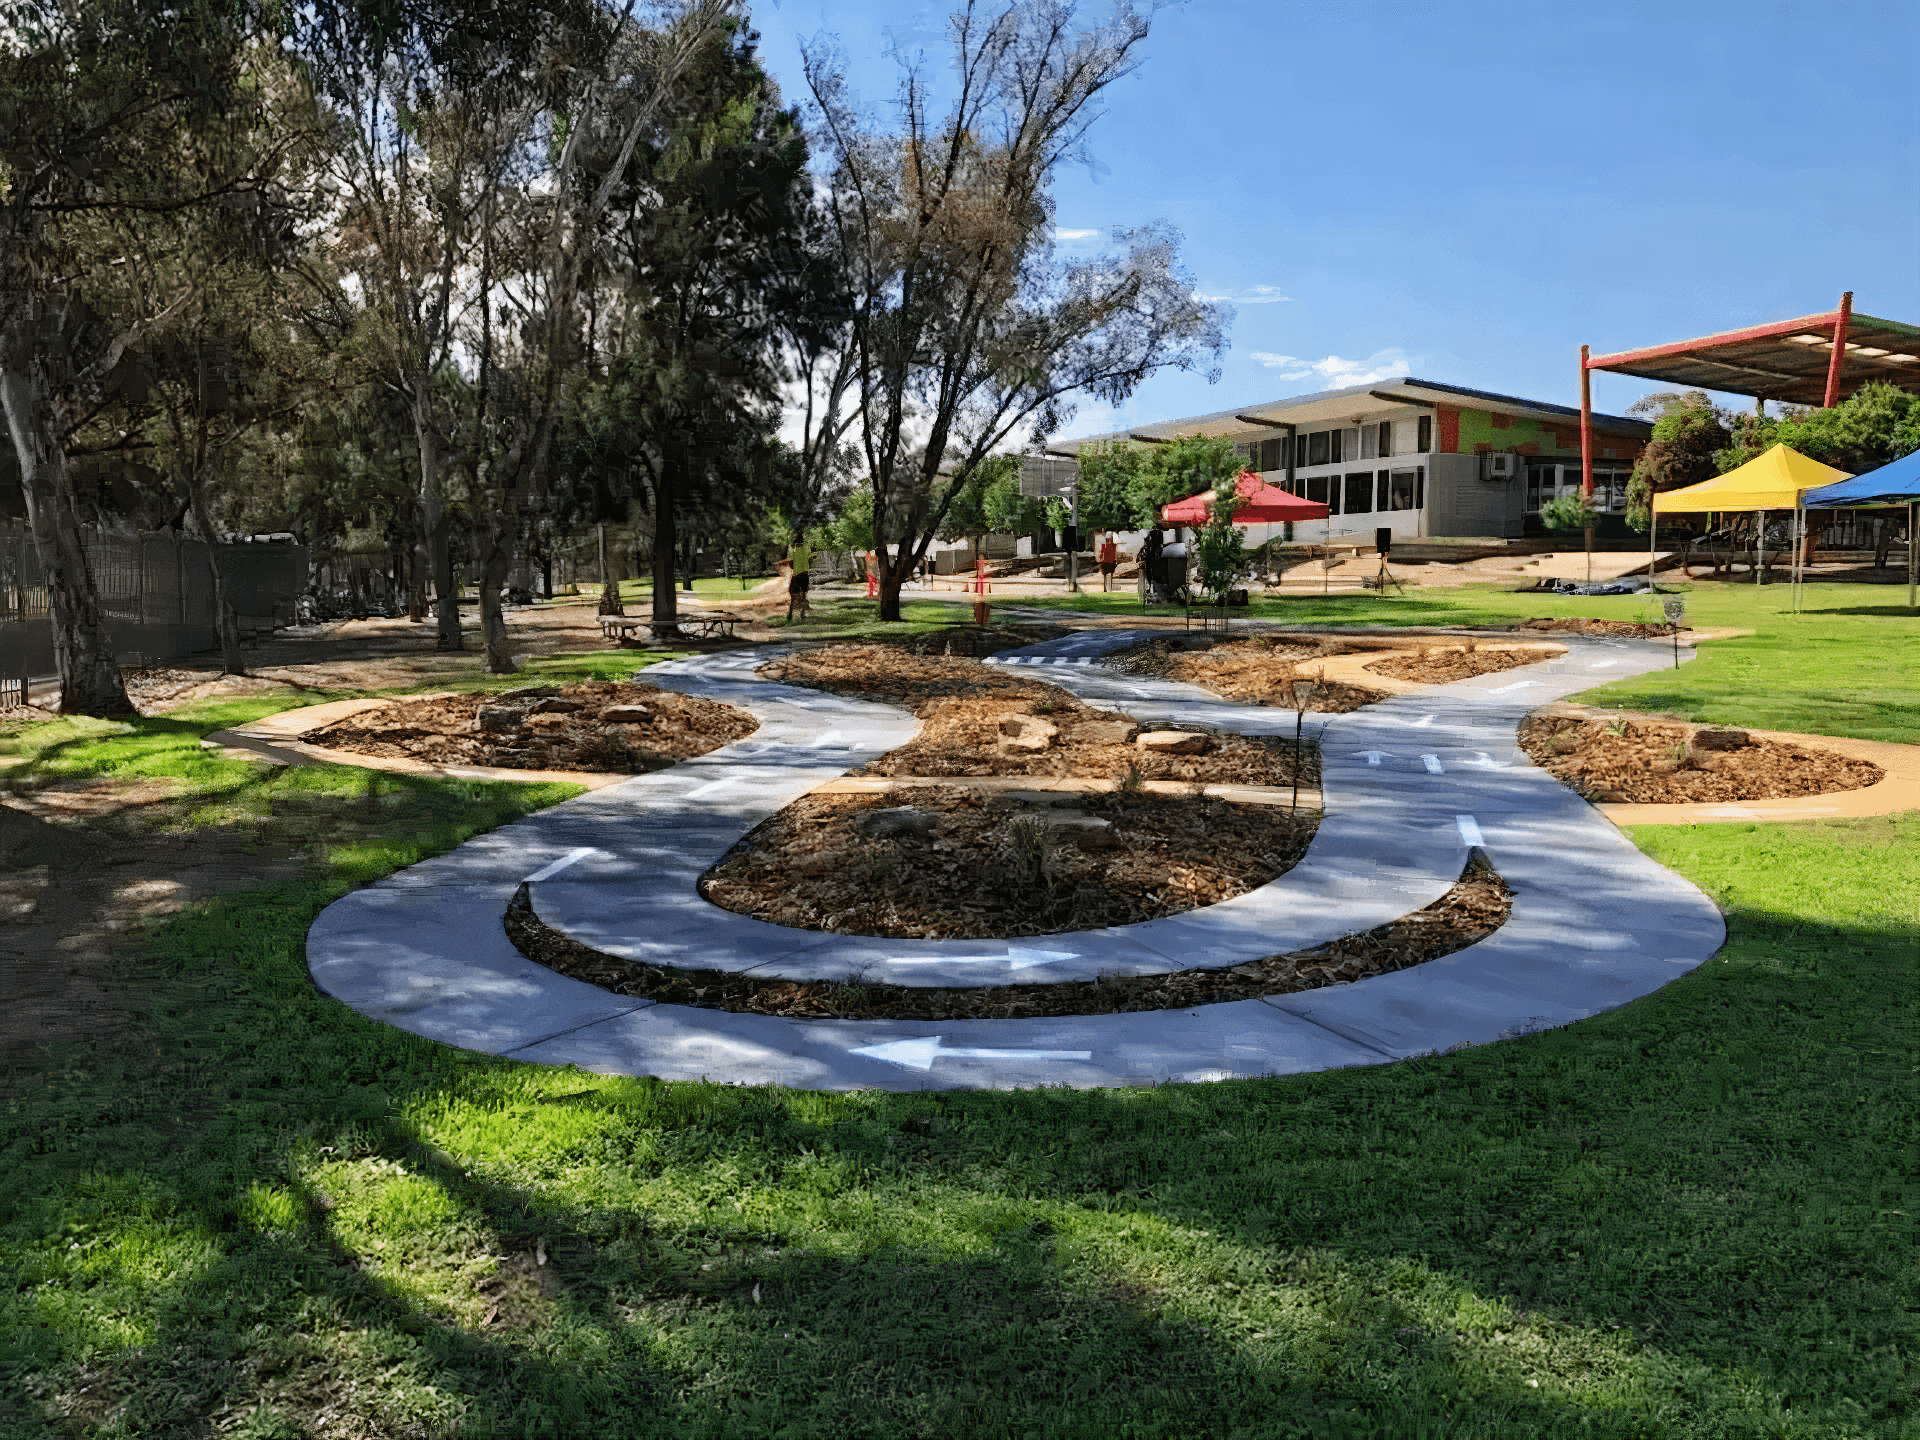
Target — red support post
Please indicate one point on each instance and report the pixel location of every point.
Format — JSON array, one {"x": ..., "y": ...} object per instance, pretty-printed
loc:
[
  {"x": 1586, "y": 425},
  {"x": 1839, "y": 350}
]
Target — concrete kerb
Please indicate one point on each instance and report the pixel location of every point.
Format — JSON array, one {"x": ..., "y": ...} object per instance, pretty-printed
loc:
[{"x": 424, "y": 948}]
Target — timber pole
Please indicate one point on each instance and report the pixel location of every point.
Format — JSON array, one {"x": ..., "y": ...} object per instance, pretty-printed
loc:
[{"x": 1839, "y": 355}]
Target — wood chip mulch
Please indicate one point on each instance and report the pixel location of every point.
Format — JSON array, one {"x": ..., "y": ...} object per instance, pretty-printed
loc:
[
  {"x": 1581, "y": 625},
  {"x": 1259, "y": 671},
  {"x": 997, "y": 866},
  {"x": 1436, "y": 665},
  {"x": 964, "y": 707},
  {"x": 544, "y": 727},
  {"x": 1648, "y": 763},
  {"x": 1472, "y": 910}
]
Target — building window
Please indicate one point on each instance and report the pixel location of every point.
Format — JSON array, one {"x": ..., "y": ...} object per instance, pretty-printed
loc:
[
  {"x": 1404, "y": 488},
  {"x": 1424, "y": 440},
  {"x": 1318, "y": 445},
  {"x": 1405, "y": 432},
  {"x": 1359, "y": 494},
  {"x": 1383, "y": 492},
  {"x": 1383, "y": 442},
  {"x": 1273, "y": 454}
]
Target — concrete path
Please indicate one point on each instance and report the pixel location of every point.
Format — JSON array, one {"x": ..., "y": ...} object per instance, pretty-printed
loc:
[{"x": 1410, "y": 786}]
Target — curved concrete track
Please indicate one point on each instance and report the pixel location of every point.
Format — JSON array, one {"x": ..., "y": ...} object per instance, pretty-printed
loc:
[{"x": 1409, "y": 785}]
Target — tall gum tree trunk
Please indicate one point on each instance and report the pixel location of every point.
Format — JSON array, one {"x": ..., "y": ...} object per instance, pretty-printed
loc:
[
  {"x": 666, "y": 618},
  {"x": 90, "y": 680},
  {"x": 496, "y": 560},
  {"x": 890, "y": 581},
  {"x": 434, "y": 522}
]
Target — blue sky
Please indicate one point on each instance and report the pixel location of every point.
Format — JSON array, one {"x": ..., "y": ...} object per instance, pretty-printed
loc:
[{"x": 1469, "y": 191}]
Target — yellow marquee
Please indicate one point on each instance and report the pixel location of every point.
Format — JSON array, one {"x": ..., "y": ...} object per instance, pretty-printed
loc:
[{"x": 1772, "y": 481}]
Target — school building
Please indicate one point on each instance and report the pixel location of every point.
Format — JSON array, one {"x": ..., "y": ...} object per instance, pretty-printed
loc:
[{"x": 1417, "y": 457}]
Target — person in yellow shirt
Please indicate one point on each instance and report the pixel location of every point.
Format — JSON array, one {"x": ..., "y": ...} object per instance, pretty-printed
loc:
[{"x": 801, "y": 558}]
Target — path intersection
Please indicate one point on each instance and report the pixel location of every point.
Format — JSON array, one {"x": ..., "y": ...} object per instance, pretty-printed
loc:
[{"x": 1410, "y": 785}]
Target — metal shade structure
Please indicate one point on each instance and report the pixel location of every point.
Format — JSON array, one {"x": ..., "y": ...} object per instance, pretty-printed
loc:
[
  {"x": 1265, "y": 505},
  {"x": 1814, "y": 360}
]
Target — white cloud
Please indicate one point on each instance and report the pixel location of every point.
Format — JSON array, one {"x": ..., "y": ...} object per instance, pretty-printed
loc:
[
  {"x": 1252, "y": 295},
  {"x": 1333, "y": 370},
  {"x": 1074, "y": 234}
]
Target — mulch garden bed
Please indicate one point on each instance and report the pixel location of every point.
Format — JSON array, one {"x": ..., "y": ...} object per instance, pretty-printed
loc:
[
  {"x": 1580, "y": 625},
  {"x": 1472, "y": 910},
  {"x": 1436, "y": 665},
  {"x": 1259, "y": 671},
  {"x": 1653, "y": 763},
  {"x": 593, "y": 726},
  {"x": 957, "y": 864},
  {"x": 983, "y": 720}
]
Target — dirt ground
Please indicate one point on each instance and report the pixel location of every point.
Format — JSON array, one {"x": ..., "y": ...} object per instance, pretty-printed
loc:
[
  {"x": 1473, "y": 909},
  {"x": 594, "y": 725},
  {"x": 982, "y": 720},
  {"x": 1259, "y": 671},
  {"x": 1648, "y": 763},
  {"x": 957, "y": 864},
  {"x": 82, "y": 866},
  {"x": 1580, "y": 625},
  {"x": 1438, "y": 664}
]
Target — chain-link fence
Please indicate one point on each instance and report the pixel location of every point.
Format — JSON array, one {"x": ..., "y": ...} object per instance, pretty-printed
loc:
[{"x": 157, "y": 591}]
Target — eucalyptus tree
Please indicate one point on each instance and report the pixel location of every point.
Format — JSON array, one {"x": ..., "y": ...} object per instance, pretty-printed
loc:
[
  {"x": 113, "y": 114},
  {"x": 705, "y": 251},
  {"x": 966, "y": 328}
]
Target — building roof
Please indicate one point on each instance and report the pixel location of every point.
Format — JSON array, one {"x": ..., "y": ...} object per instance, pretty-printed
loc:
[
  {"x": 1786, "y": 360},
  {"x": 1345, "y": 404}
]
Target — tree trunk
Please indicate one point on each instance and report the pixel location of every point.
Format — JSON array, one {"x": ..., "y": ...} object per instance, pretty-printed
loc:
[
  {"x": 496, "y": 560},
  {"x": 435, "y": 522},
  {"x": 666, "y": 618},
  {"x": 90, "y": 680}
]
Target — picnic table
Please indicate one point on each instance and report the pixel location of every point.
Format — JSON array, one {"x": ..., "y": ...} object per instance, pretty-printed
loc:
[{"x": 622, "y": 628}]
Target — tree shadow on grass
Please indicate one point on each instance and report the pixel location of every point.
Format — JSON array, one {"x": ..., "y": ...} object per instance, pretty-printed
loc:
[{"x": 1353, "y": 1252}]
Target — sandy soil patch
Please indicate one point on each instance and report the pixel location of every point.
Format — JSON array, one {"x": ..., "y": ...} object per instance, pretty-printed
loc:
[
  {"x": 955, "y": 864},
  {"x": 1655, "y": 763},
  {"x": 1437, "y": 665},
  {"x": 596, "y": 725},
  {"x": 1473, "y": 909}
]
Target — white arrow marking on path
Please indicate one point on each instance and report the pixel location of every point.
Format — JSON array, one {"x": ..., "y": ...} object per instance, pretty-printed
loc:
[
  {"x": 713, "y": 785},
  {"x": 920, "y": 1054},
  {"x": 1602, "y": 664},
  {"x": 1469, "y": 829},
  {"x": 1482, "y": 758},
  {"x": 1516, "y": 685},
  {"x": 832, "y": 737},
  {"x": 1432, "y": 762},
  {"x": 1374, "y": 757},
  {"x": 547, "y": 872},
  {"x": 1016, "y": 956},
  {"x": 1419, "y": 724}
]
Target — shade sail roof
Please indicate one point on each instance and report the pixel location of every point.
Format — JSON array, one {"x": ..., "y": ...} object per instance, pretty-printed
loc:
[
  {"x": 1772, "y": 481},
  {"x": 1784, "y": 360},
  {"x": 1266, "y": 505},
  {"x": 1897, "y": 483}
]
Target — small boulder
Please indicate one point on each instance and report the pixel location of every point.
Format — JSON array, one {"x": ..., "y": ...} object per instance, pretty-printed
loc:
[
  {"x": 1721, "y": 739},
  {"x": 556, "y": 705},
  {"x": 625, "y": 715},
  {"x": 1095, "y": 835},
  {"x": 525, "y": 694},
  {"x": 499, "y": 717},
  {"x": 897, "y": 823},
  {"x": 549, "y": 721},
  {"x": 1104, "y": 732},
  {"x": 1174, "y": 742},
  {"x": 1025, "y": 733}
]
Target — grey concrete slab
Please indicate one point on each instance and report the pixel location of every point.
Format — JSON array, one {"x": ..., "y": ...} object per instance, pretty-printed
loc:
[{"x": 1595, "y": 922}]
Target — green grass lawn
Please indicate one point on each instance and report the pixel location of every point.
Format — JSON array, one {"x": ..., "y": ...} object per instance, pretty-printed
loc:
[
  {"x": 270, "y": 1216},
  {"x": 1848, "y": 665}
]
